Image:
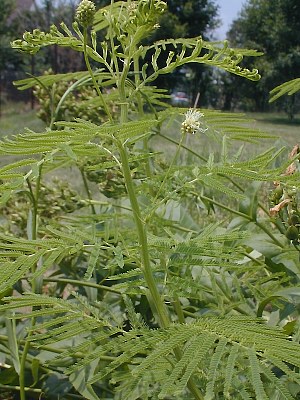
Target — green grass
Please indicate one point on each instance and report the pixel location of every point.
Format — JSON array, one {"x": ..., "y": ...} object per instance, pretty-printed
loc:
[
  {"x": 14, "y": 119},
  {"x": 17, "y": 116},
  {"x": 286, "y": 133},
  {"x": 279, "y": 125}
]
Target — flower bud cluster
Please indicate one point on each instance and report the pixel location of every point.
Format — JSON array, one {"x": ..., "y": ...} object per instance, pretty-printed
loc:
[
  {"x": 144, "y": 13},
  {"x": 55, "y": 199},
  {"x": 76, "y": 105},
  {"x": 85, "y": 13},
  {"x": 33, "y": 41},
  {"x": 110, "y": 180}
]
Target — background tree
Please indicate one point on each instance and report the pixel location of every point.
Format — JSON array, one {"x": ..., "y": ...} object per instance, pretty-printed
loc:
[
  {"x": 189, "y": 19},
  {"x": 9, "y": 60},
  {"x": 273, "y": 27}
]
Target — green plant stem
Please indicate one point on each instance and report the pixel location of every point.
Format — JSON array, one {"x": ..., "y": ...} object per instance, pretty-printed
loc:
[
  {"x": 255, "y": 260},
  {"x": 56, "y": 350},
  {"x": 33, "y": 211},
  {"x": 122, "y": 90},
  {"x": 87, "y": 189},
  {"x": 51, "y": 98},
  {"x": 111, "y": 35},
  {"x": 189, "y": 314},
  {"x": 183, "y": 147},
  {"x": 23, "y": 363},
  {"x": 34, "y": 227},
  {"x": 136, "y": 66},
  {"x": 88, "y": 65},
  {"x": 38, "y": 391},
  {"x": 137, "y": 80},
  {"x": 248, "y": 217},
  {"x": 82, "y": 283},
  {"x": 64, "y": 96},
  {"x": 108, "y": 204},
  {"x": 194, "y": 390},
  {"x": 26, "y": 389},
  {"x": 178, "y": 310},
  {"x": 155, "y": 298},
  {"x": 167, "y": 175},
  {"x": 221, "y": 205},
  {"x": 123, "y": 100},
  {"x": 270, "y": 234}
]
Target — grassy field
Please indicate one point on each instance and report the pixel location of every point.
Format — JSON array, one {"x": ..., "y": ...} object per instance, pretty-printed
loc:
[
  {"x": 17, "y": 116},
  {"x": 288, "y": 132}
]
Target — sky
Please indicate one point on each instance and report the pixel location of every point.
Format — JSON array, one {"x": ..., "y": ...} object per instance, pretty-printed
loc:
[{"x": 228, "y": 11}]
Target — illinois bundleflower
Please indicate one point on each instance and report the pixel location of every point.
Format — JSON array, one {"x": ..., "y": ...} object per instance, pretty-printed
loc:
[
  {"x": 85, "y": 13},
  {"x": 192, "y": 123}
]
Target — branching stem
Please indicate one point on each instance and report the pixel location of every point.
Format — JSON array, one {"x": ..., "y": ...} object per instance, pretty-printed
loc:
[
  {"x": 87, "y": 190},
  {"x": 88, "y": 65},
  {"x": 82, "y": 283}
]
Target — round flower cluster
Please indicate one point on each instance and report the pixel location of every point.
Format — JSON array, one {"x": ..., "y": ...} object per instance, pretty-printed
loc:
[
  {"x": 85, "y": 13},
  {"x": 192, "y": 122}
]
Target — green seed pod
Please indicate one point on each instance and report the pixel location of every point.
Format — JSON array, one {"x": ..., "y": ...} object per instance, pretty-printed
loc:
[
  {"x": 292, "y": 233},
  {"x": 85, "y": 13},
  {"x": 294, "y": 219},
  {"x": 292, "y": 191},
  {"x": 278, "y": 192}
]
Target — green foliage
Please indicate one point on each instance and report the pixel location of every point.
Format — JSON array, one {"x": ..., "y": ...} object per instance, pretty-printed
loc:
[
  {"x": 127, "y": 292},
  {"x": 289, "y": 88}
]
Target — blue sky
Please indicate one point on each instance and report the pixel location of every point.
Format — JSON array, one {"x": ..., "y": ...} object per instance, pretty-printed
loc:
[{"x": 228, "y": 11}]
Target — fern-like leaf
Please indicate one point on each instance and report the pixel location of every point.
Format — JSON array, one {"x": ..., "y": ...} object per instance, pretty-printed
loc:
[
  {"x": 229, "y": 370},
  {"x": 196, "y": 350},
  {"x": 289, "y": 88},
  {"x": 255, "y": 374},
  {"x": 213, "y": 368}
]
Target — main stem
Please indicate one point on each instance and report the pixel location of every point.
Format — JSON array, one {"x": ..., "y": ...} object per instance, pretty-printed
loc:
[
  {"x": 34, "y": 195},
  {"x": 155, "y": 297}
]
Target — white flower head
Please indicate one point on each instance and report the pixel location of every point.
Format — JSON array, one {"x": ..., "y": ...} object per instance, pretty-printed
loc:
[{"x": 192, "y": 122}]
